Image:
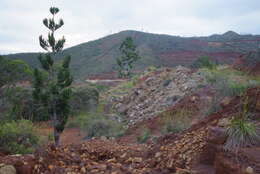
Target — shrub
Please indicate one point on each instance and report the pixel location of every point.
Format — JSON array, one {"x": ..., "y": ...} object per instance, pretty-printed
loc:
[
  {"x": 96, "y": 125},
  {"x": 204, "y": 62},
  {"x": 241, "y": 133},
  {"x": 175, "y": 127},
  {"x": 127, "y": 85},
  {"x": 224, "y": 83},
  {"x": 144, "y": 136},
  {"x": 213, "y": 77},
  {"x": 151, "y": 68},
  {"x": 225, "y": 88},
  {"x": 213, "y": 106},
  {"x": 176, "y": 121},
  {"x": 237, "y": 89},
  {"x": 19, "y": 105},
  {"x": 135, "y": 79},
  {"x": 84, "y": 99},
  {"x": 18, "y": 137},
  {"x": 100, "y": 87}
]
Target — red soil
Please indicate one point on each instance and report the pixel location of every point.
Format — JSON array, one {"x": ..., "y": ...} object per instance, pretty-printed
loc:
[{"x": 69, "y": 135}]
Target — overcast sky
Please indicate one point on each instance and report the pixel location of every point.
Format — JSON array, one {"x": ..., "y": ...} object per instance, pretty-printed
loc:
[{"x": 85, "y": 20}]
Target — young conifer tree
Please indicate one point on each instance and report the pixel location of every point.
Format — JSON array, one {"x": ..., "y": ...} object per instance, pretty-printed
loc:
[
  {"x": 51, "y": 87},
  {"x": 128, "y": 57}
]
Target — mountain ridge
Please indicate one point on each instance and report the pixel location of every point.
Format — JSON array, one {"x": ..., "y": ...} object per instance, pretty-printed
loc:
[{"x": 98, "y": 56}]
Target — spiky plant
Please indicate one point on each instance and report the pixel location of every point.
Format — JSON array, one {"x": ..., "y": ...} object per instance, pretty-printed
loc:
[
  {"x": 51, "y": 84},
  {"x": 242, "y": 131}
]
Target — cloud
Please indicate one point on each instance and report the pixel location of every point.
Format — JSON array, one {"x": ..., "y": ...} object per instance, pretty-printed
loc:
[{"x": 21, "y": 21}]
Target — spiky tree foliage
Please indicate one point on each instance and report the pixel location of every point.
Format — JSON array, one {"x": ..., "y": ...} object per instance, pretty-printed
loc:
[
  {"x": 128, "y": 57},
  {"x": 51, "y": 84}
]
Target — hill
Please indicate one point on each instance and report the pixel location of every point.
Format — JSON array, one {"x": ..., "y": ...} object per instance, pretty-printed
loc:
[{"x": 98, "y": 57}]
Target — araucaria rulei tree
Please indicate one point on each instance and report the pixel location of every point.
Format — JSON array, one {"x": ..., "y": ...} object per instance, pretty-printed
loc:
[
  {"x": 128, "y": 57},
  {"x": 51, "y": 87}
]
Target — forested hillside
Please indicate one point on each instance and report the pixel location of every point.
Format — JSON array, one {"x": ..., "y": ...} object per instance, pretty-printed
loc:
[{"x": 99, "y": 56}]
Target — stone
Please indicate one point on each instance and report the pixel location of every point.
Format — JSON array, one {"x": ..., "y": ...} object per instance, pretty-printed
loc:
[
  {"x": 158, "y": 154},
  {"x": 224, "y": 122},
  {"x": 8, "y": 169},
  {"x": 193, "y": 98},
  {"x": 137, "y": 160},
  {"x": 103, "y": 138},
  {"x": 124, "y": 155},
  {"x": 151, "y": 97},
  {"x": 102, "y": 167},
  {"x": 216, "y": 135},
  {"x": 122, "y": 109},
  {"x": 83, "y": 170},
  {"x": 111, "y": 160},
  {"x": 112, "y": 138},
  {"x": 225, "y": 102},
  {"x": 184, "y": 171},
  {"x": 249, "y": 170}
]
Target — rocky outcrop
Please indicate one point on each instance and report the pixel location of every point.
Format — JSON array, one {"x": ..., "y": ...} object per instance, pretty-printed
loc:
[{"x": 156, "y": 92}]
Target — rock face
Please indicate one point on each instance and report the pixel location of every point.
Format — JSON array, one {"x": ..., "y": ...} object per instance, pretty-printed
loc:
[
  {"x": 7, "y": 169},
  {"x": 156, "y": 92}
]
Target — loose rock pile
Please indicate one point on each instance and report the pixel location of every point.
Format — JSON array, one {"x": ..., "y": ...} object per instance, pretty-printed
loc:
[{"x": 156, "y": 92}]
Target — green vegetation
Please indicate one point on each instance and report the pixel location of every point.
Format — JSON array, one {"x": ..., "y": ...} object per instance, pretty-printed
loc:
[
  {"x": 84, "y": 99},
  {"x": 13, "y": 71},
  {"x": 214, "y": 106},
  {"x": 121, "y": 89},
  {"x": 176, "y": 127},
  {"x": 252, "y": 58},
  {"x": 99, "y": 87},
  {"x": 204, "y": 62},
  {"x": 229, "y": 82},
  {"x": 128, "y": 57},
  {"x": 18, "y": 137},
  {"x": 176, "y": 121},
  {"x": 242, "y": 131},
  {"x": 53, "y": 92},
  {"x": 95, "y": 124},
  {"x": 17, "y": 103},
  {"x": 98, "y": 56},
  {"x": 146, "y": 134},
  {"x": 151, "y": 68}
]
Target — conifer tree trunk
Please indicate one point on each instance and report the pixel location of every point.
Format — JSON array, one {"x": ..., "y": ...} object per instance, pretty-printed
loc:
[
  {"x": 56, "y": 133},
  {"x": 53, "y": 91}
]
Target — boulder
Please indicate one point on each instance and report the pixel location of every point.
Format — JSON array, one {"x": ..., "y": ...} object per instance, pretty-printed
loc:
[
  {"x": 216, "y": 135},
  {"x": 7, "y": 169}
]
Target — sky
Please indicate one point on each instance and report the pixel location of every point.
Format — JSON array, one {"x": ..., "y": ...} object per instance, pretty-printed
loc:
[{"x": 86, "y": 20}]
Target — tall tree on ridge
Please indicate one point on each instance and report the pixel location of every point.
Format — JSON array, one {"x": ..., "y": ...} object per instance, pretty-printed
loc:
[{"x": 128, "y": 56}]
